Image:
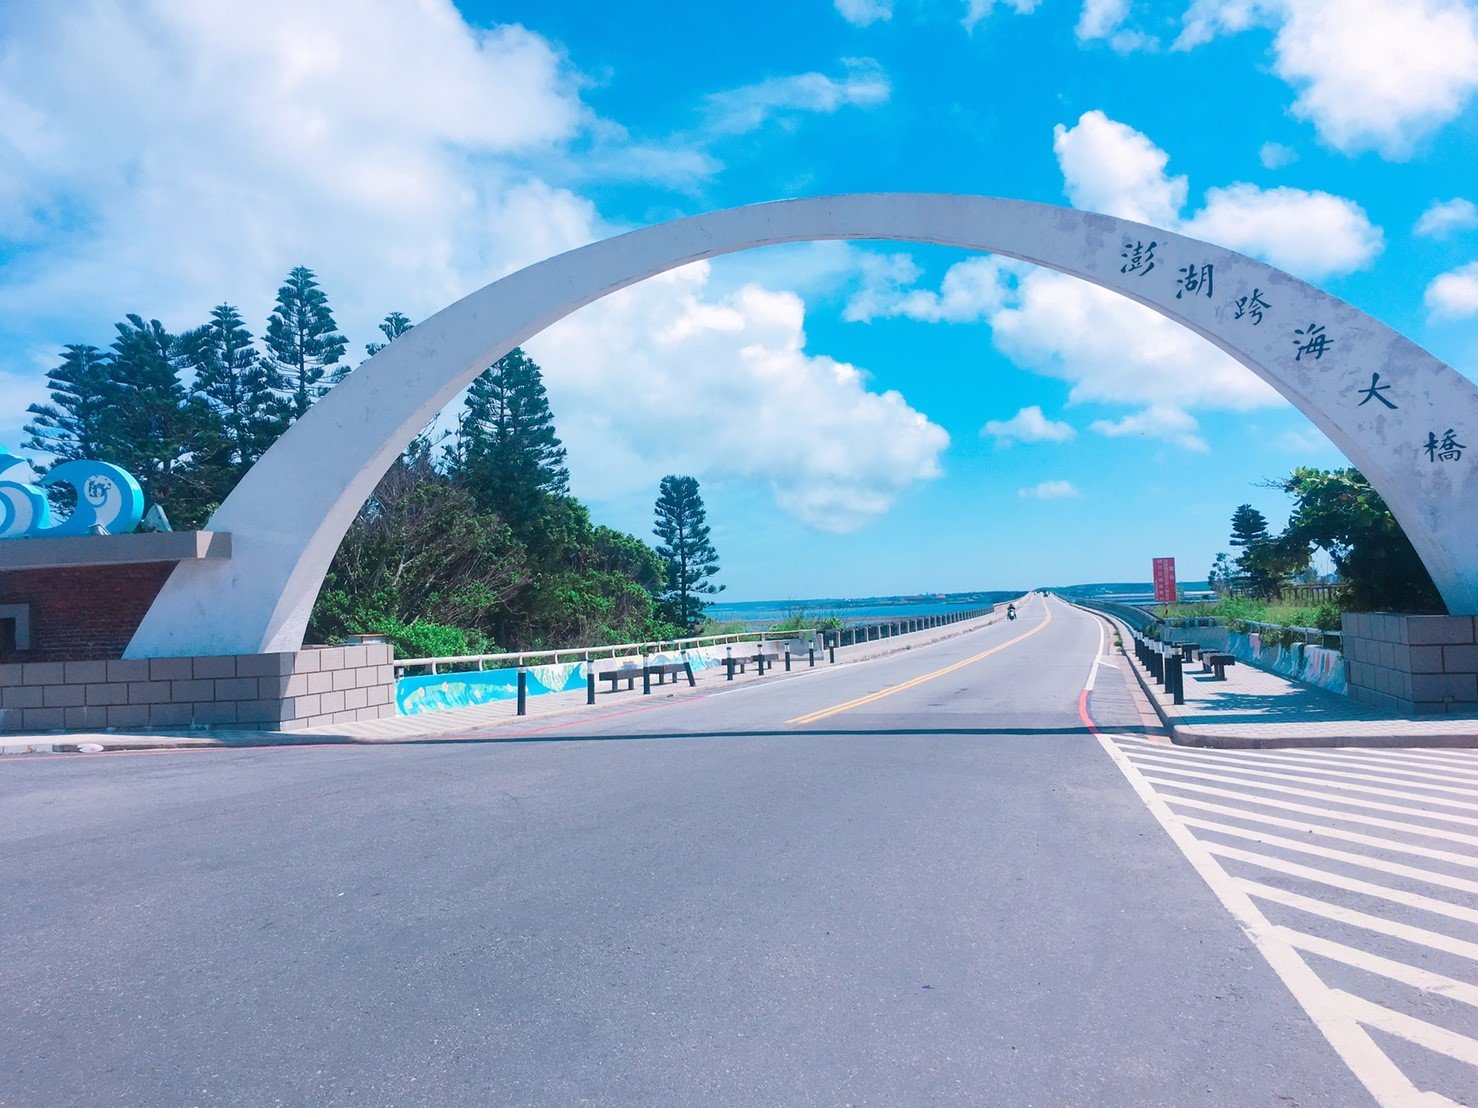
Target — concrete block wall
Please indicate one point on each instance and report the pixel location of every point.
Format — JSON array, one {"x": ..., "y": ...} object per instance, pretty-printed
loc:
[
  {"x": 284, "y": 691},
  {"x": 1420, "y": 665}
]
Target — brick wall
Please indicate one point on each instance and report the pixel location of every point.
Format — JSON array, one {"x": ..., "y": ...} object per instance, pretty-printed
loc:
[
  {"x": 286, "y": 691},
  {"x": 82, "y": 612},
  {"x": 1422, "y": 665}
]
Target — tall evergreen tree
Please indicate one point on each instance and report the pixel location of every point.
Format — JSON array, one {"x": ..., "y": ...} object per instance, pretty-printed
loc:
[
  {"x": 84, "y": 400},
  {"x": 685, "y": 549},
  {"x": 302, "y": 340},
  {"x": 392, "y": 327},
  {"x": 507, "y": 452},
  {"x": 239, "y": 386},
  {"x": 1249, "y": 526},
  {"x": 160, "y": 431}
]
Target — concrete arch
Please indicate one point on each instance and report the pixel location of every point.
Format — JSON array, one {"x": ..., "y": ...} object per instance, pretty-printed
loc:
[{"x": 288, "y": 515}]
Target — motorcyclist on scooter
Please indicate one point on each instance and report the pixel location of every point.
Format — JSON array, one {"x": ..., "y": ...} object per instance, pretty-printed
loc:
[{"x": 1010, "y": 611}]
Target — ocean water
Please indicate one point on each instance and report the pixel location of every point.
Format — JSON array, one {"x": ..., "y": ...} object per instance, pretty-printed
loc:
[{"x": 759, "y": 614}]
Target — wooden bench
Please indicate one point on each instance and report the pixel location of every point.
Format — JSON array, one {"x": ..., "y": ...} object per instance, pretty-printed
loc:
[
  {"x": 736, "y": 663},
  {"x": 1216, "y": 664},
  {"x": 1186, "y": 648}
]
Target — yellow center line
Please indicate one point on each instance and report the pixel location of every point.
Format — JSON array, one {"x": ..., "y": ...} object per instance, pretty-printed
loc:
[{"x": 891, "y": 689}]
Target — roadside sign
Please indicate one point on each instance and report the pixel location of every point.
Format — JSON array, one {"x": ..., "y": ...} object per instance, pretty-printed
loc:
[{"x": 1165, "y": 581}]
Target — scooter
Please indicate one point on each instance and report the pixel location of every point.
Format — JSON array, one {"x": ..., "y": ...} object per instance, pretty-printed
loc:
[{"x": 1011, "y": 614}]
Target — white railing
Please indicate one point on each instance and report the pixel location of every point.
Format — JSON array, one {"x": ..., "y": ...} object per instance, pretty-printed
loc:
[{"x": 594, "y": 653}]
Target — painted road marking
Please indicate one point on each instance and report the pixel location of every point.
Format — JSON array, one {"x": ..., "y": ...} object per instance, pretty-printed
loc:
[
  {"x": 1170, "y": 773},
  {"x": 870, "y": 698}
]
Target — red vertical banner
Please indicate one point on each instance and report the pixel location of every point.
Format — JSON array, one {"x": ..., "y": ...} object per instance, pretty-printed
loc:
[{"x": 1165, "y": 581}]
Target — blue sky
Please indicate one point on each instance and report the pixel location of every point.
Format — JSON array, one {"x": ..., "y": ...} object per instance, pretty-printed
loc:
[{"x": 863, "y": 419}]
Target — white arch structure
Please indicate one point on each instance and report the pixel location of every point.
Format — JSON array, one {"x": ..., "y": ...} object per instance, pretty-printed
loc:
[{"x": 289, "y": 513}]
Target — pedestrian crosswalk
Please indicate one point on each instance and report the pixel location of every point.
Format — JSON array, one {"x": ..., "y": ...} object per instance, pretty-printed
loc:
[{"x": 1356, "y": 873}]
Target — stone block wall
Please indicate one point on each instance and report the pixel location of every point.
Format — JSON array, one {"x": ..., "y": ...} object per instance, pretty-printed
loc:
[
  {"x": 1420, "y": 665},
  {"x": 285, "y": 691}
]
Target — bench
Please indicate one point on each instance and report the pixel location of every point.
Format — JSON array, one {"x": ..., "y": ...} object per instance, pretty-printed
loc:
[
  {"x": 1216, "y": 664},
  {"x": 737, "y": 663},
  {"x": 660, "y": 670},
  {"x": 1186, "y": 648}
]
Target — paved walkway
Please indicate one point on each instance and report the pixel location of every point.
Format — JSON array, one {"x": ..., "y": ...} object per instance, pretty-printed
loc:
[
  {"x": 462, "y": 721},
  {"x": 1254, "y": 708}
]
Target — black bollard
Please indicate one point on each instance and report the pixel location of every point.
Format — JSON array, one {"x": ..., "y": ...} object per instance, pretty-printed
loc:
[
  {"x": 1175, "y": 682},
  {"x": 523, "y": 691},
  {"x": 688, "y": 669},
  {"x": 811, "y": 657},
  {"x": 787, "y": 657},
  {"x": 589, "y": 685},
  {"x": 646, "y": 678}
]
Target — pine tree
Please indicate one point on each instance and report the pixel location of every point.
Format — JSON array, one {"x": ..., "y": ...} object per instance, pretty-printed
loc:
[
  {"x": 161, "y": 433},
  {"x": 685, "y": 549},
  {"x": 84, "y": 399},
  {"x": 238, "y": 384},
  {"x": 507, "y": 452},
  {"x": 302, "y": 340},
  {"x": 392, "y": 327},
  {"x": 1249, "y": 526}
]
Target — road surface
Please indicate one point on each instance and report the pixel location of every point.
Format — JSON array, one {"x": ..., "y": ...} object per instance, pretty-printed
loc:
[{"x": 918, "y": 880}]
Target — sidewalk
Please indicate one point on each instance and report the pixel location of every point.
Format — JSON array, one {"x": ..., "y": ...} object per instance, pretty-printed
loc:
[
  {"x": 462, "y": 721},
  {"x": 1254, "y": 709}
]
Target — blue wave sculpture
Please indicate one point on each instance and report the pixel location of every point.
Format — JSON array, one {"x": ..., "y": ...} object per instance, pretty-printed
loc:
[{"x": 107, "y": 497}]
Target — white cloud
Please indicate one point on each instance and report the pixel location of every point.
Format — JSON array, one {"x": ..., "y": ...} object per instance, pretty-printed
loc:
[
  {"x": 971, "y": 290},
  {"x": 1159, "y": 421},
  {"x": 198, "y": 154},
  {"x": 1050, "y": 490},
  {"x": 1028, "y": 425},
  {"x": 1370, "y": 74},
  {"x": 1274, "y": 155},
  {"x": 1109, "y": 167},
  {"x": 1309, "y": 440},
  {"x": 1103, "y": 20},
  {"x": 1312, "y": 234},
  {"x": 1111, "y": 348},
  {"x": 723, "y": 385},
  {"x": 1454, "y": 295},
  {"x": 864, "y": 85},
  {"x": 977, "y": 10},
  {"x": 1441, "y": 220},
  {"x": 864, "y": 13}
]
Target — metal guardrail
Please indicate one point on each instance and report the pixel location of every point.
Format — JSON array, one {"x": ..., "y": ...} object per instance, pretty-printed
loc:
[{"x": 595, "y": 653}]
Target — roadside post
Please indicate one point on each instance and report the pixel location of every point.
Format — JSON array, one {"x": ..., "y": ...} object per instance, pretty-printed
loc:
[
  {"x": 523, "y": 689},
  {"x": 589, "y": 684},
  {"x": 787, "y": 657}
]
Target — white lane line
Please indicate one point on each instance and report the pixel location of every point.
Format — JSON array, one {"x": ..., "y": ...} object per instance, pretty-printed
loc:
[
  {"x": 1411, "y": 1029},
  {"x": 1415, "y": 756},
  {"x": 1349, "y": 884},
  {"x": 1325, "y": 813},
  {"x": 1428, "y": 982},
  {"x": 1405, "y": 931},
  {"x": 1326, "y": 797},
  {"x": 1393, "y": 845},
  {"x": 1363, "y": 790},
  {"x": 1431, "y": 877},
  {"x": 1370, "y": 1065},
  {"x": 1342, "y": 760},
  {"x": 1301, "y": 772}
]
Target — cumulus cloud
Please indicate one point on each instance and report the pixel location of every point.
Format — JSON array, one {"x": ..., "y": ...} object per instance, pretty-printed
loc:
[
  {"x": 1370, "y": 74},
  {"x": 863, "y": 85},
  {"x": 864, "y": 13},
  {"x": 1442, "y": 219},
  {"x": 1050, "y": 490},
  {"x": 723, "y": 384},
  {"x": 1111, "y": 348},
  {"x": 1109, "y": 167},
  {"x": 971, "y": 290},
  {"x": 1274, "y": 155},
  {"x": 1158, "y": 421},
  {"x": 1027, "y": 425},
  {"x": 1454, "y": 295},
  {"x": 178, "y": 154},
  {"x": 1103, "y": 20},
  {"x": 977, "y": 10},
  {"x": 1313, "y": 234}
]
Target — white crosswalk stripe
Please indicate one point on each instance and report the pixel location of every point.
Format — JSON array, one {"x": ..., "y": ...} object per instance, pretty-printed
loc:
[{"x": 1365, "y": 863}]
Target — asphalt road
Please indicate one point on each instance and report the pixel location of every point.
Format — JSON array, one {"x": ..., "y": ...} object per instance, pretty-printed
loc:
[{"x": 946, "y": 894}]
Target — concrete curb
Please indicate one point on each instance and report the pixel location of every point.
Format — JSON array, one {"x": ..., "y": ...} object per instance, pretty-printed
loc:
[
  {"x": 1182, "y": 735},
  {"x": 102, "y": 743}
]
